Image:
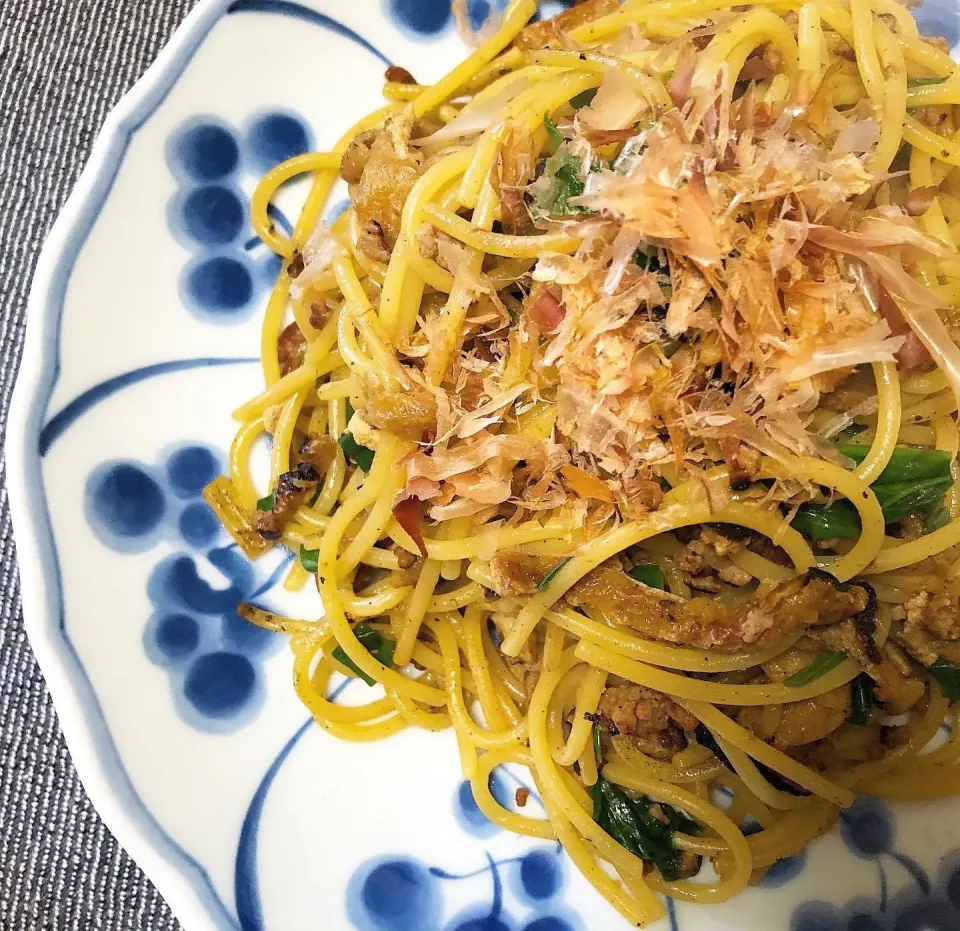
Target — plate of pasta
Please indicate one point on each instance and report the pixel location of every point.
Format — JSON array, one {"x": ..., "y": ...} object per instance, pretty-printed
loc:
[{"x": 524, "y": 497}]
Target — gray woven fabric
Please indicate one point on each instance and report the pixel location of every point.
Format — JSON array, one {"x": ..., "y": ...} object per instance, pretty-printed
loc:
[{"x": 63, "y": 65}]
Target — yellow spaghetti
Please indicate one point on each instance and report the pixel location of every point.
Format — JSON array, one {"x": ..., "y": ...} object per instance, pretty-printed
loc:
[{"x": 616, "y": 420}]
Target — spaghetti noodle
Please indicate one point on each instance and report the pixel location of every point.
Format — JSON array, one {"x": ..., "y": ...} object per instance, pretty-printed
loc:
[{"x": 616, "y": 422}]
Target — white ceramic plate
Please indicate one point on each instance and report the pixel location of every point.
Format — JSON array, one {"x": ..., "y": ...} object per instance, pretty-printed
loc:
[{"x": 143, "y": 322}]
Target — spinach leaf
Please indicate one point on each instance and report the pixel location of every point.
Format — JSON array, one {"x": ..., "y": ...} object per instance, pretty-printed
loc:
[
  {"x": 862, "y": 700},
  {"x": 905, "y": 465},
  {"x": 631, "y": 825},
  {"x": 819, "y": 522},
  {"x": 309, "y": 559},
  {"x": 923, "y": 82},
  {"x": 824, "y": 663},
  {"x": 562, "y": 174},
  {"x": 553, "y": 134},
  {"x": 266, "y": 504},
  {"x": 898, "y": 499},
  {"x": 376, "y": 645},
  {"x": 362, "y": 456},
  {"x": 649, "y": 574},
  {"x": 948, "y": 677},
  {"x": 584, "y": 98}
]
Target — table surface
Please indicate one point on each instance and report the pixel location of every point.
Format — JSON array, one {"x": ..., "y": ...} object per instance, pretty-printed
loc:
[{"x": 63, "y": 65}]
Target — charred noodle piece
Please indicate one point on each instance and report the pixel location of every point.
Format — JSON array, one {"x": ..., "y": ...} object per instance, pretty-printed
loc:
[
  {"x": 550, "y": 32},
  {"x": 292, "y": 488},
  {"x": 517, "y": 574},
  {"x": 407, "y": 414},
  {"x": 706, "y": 623},
  {"x": 385, "y": 183}
]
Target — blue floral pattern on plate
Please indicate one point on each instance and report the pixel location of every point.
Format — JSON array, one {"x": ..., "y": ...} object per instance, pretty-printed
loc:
[
  {"x": 211, "y": 655},
  {"x": 214, "y": 664},
  {"x": 230, "y": 268}
]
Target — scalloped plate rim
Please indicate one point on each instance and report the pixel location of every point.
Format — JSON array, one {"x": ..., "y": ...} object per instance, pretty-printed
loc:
[{"x": 192, "y": 900}]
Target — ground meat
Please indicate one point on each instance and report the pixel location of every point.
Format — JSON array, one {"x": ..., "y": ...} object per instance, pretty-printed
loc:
[
  {"x": 372, "y": 243},
  {"x": 551, "y": 31},
  {"x": 291, "y": 347},
  {"x": 407, "y": 414},
  {"x": 707, "y": 623},
  {"x": 383, "y": 187},
  {"x": 356, "y": 156},
  {"x": 517, "y": 574},
  {"x": 292, "y": 488},
  {"x": 658, "y": 723},
  {"x": 320, "y": 312},
  {"x": 932, "y": 627},
  {"x": 706, "y": 562},
  {"x": 521, "y": 796}
]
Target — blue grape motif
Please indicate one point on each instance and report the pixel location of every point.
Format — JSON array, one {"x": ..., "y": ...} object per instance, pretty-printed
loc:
[
  {"x": 425, "y": 19},
  {"x": 398, "y": 893},
  {"x": 229, "y": 267},
  {"x": 921, "y": 905},
  {"x": 211, "y": 655}
]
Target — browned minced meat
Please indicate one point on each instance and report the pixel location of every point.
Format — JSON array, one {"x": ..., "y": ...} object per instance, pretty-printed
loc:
[
  {"x": 407, "y": 414},
  {"x": 931, "y": 630},
  {"x": 521, "y": 796},
  {"x": 516, "y": 574},
  {"x": 550, "y": 31},
  {"x": 658, "y": 725},
  {"x": 707, "y": 623},
  {"x": 399, "y": 75},
  {"x": 320, "y": 312},
  {"x": 371, "y": 242},
  {"x": 383, "y": 187},
  {"x": 291, "y": 347},
  {"x": 356, "y": 156},
  {"x": 316, "y": 454}
]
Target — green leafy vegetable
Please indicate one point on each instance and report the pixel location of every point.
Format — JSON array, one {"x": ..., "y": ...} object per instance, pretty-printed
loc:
[
  {"x": 562, "y": 174},
  {"x": 552, "y": 574},
  {"x": 309, "y": 559},
  {"x": 649, "y": 261},
  {"x": 948, "y": 677},
  {"x": 649, "y": 574},
  {"x": 863, "y": 700},
  {"x": 677, "y": 819},
  {"x": 631, "y": 825},
  {"x": 905, "y": 465},
  {"x": 583, "y": 99},
  {"x": 819, "y": 522},
  {"x": 898, "y": 499},
  {"x": 266, "y": 504},
  {"x": 553, "y": 134},
  {"x": 923, "y": 82},
  {"x": 376, "y": 645},
  {"x": 824, "y": 663},
  {"x": 362, "y": 456},
  {"x": 936, "y": 518}
]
